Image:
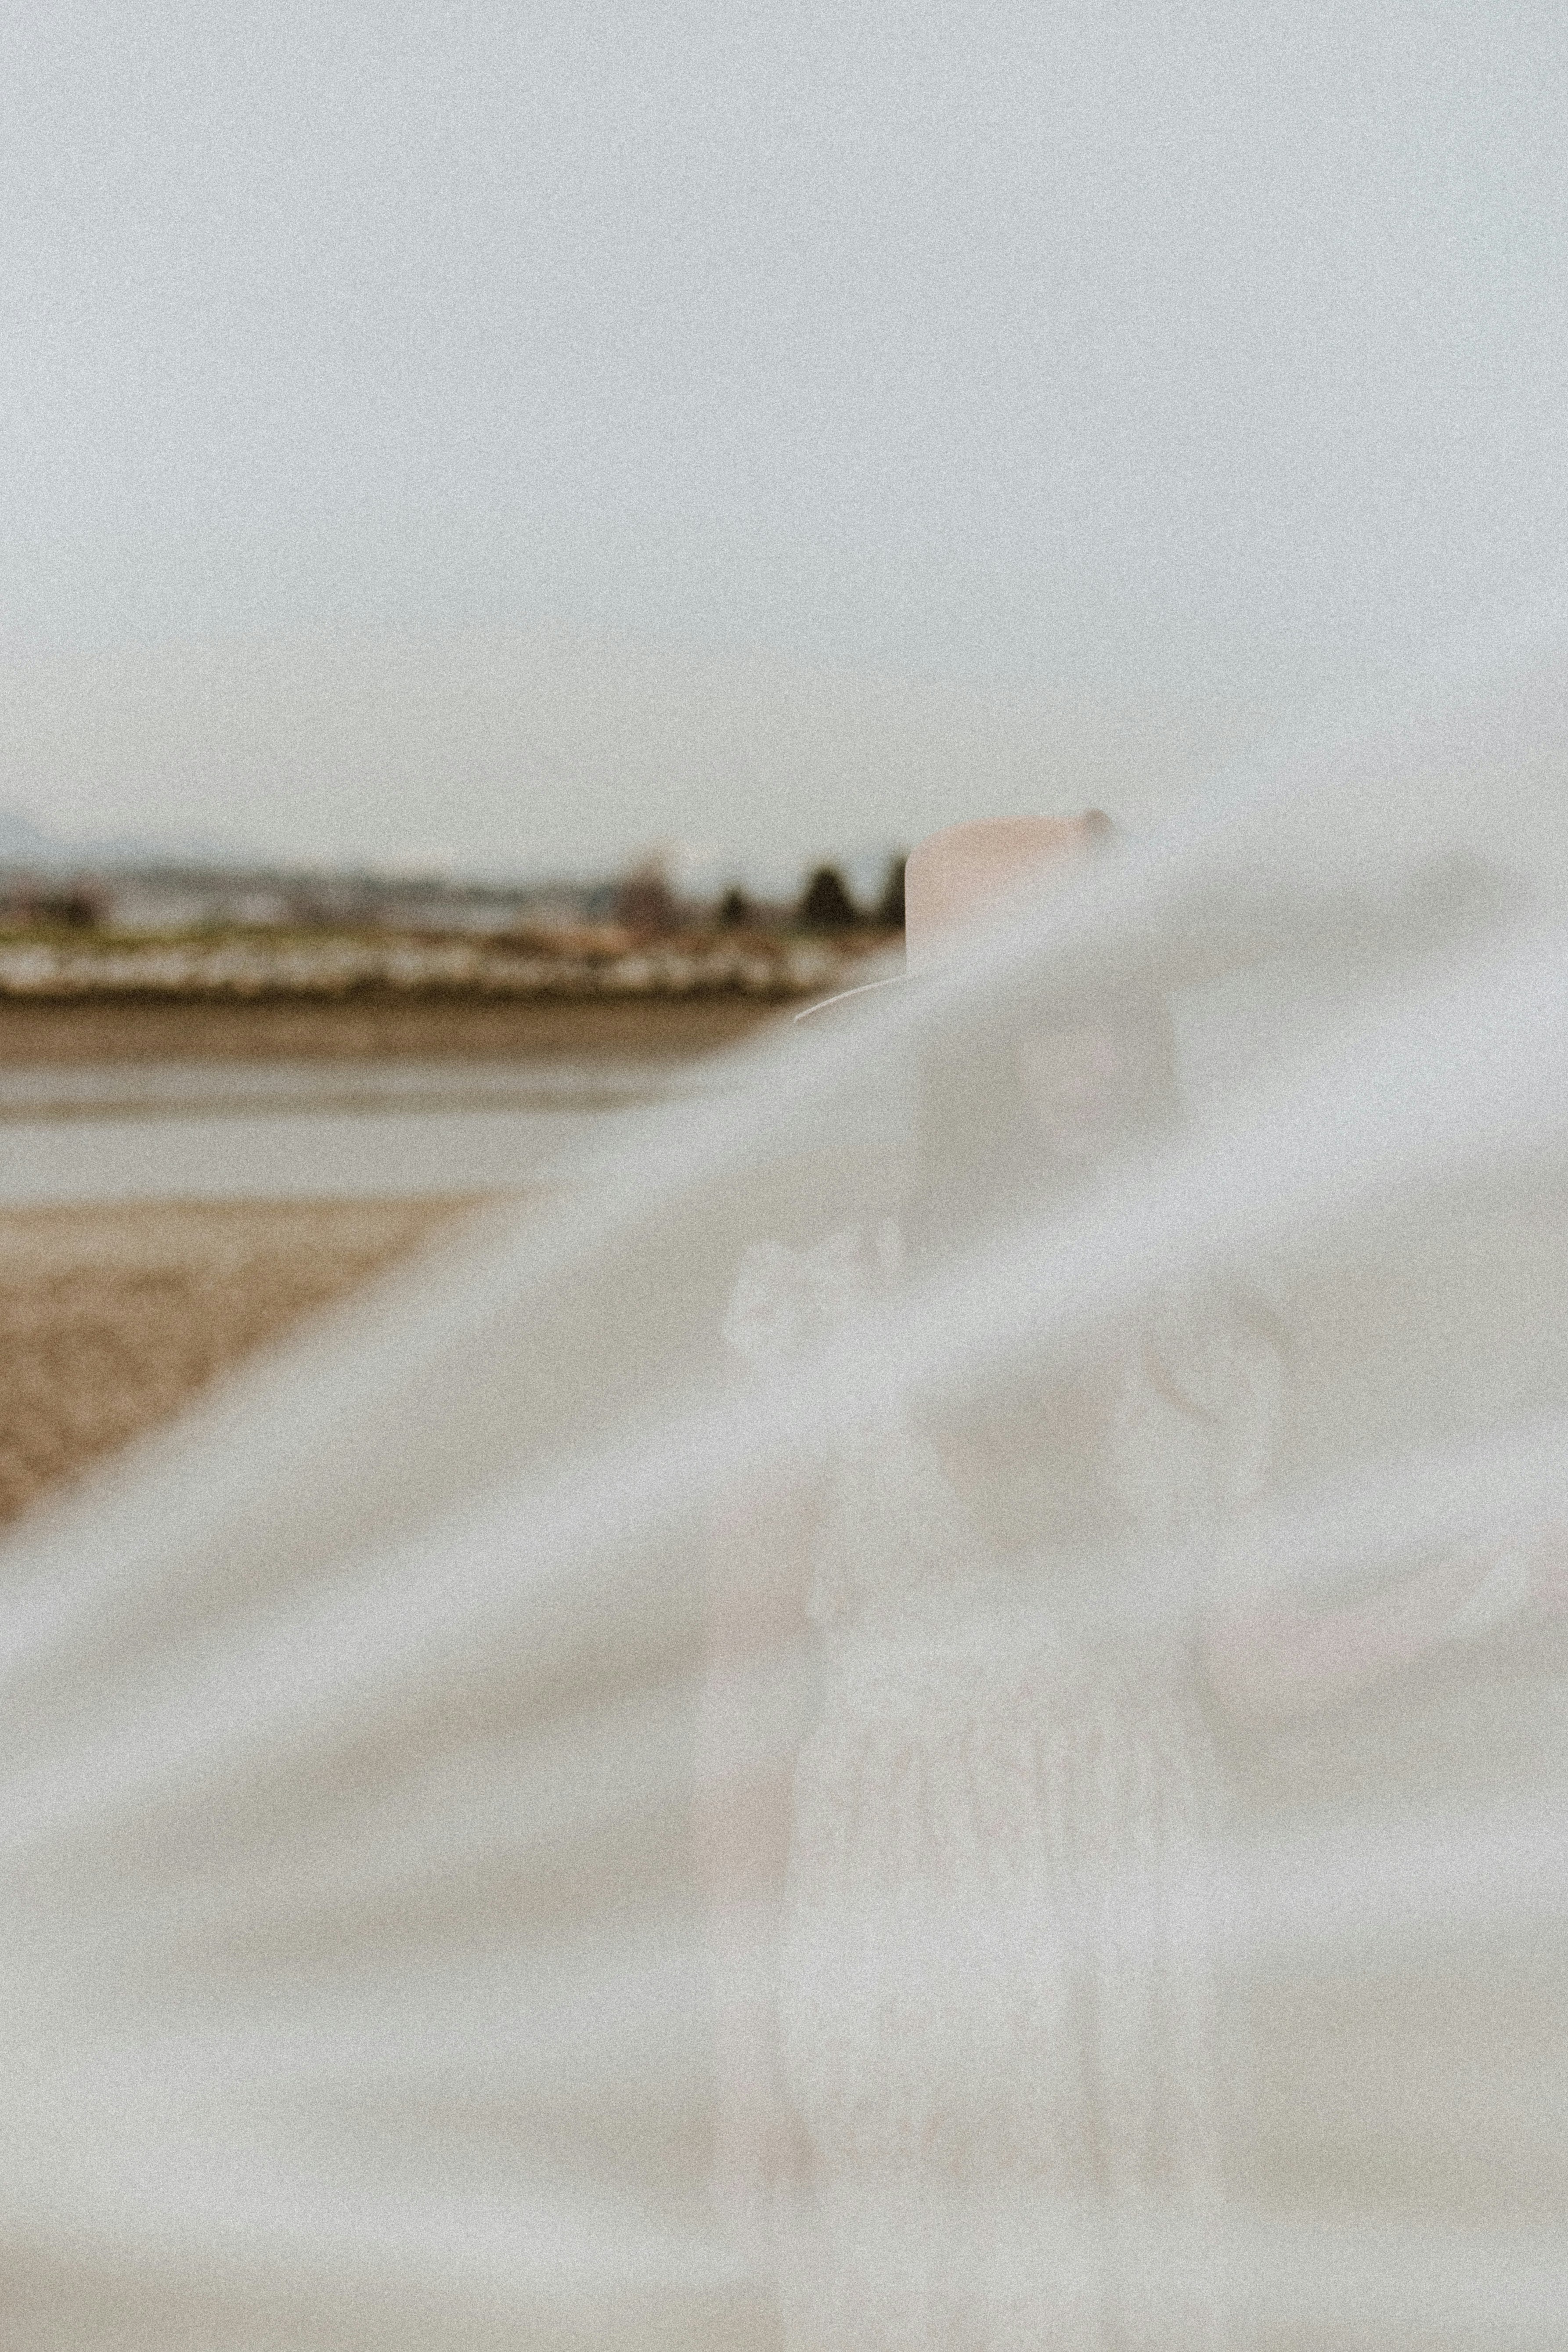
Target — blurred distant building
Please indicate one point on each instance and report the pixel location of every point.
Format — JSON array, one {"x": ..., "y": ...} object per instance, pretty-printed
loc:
[
  {"x": 149, "y": 901},
  {"x": 154, "y": 903},
  {"x": 645, "y": 903}
]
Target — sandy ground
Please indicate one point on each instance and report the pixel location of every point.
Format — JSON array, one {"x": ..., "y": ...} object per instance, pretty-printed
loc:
[
  {"x": 431, "y": 1028},
  {"x": 111, "y": 1319}
]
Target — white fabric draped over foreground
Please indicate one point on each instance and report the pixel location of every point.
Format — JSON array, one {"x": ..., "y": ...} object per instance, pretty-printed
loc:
[{"x": 874, "y": 1735}]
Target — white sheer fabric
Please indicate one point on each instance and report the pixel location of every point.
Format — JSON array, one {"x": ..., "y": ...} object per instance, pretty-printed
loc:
[
  {"x": 950, "y": 2034},
  {"x": 939, "y": 1721}
]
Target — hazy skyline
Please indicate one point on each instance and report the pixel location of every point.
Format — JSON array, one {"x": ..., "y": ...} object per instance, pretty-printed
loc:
[
  {"x": 510, "y": 435},
  {"x": 508, "y": 752}
]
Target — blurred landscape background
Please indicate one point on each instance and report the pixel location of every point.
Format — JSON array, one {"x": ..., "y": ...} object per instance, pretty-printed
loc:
[
  {"x": 456, "y": 450},
  {"x": 231, "y": 1093}
]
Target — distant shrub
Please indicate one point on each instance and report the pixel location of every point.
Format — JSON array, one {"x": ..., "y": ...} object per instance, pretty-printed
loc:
[
  {"x": 826, "y": 904},
  {"x": 77, "y": 911},
  {"x": 644, "y": 902},
  {"x": 734, "y": 907}
]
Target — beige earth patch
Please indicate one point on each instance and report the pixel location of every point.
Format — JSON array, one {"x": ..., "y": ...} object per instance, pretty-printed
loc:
[{"x": 111, "y": 1319}]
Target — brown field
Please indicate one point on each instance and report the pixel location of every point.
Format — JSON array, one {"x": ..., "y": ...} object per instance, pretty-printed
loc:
[
  {"x": 111, "y": 1319},
  {"x": 417, "y": 1028}
]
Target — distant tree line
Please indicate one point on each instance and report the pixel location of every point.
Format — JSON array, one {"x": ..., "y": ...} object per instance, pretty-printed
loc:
[
  {"x": 68, "y": 908},
  {"x": 642, "y": 901},
  {"x": 827, "y": 904}
]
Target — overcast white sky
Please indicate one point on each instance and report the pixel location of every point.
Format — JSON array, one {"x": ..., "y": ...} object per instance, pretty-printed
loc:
[{"x": 512, "y": 435}]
